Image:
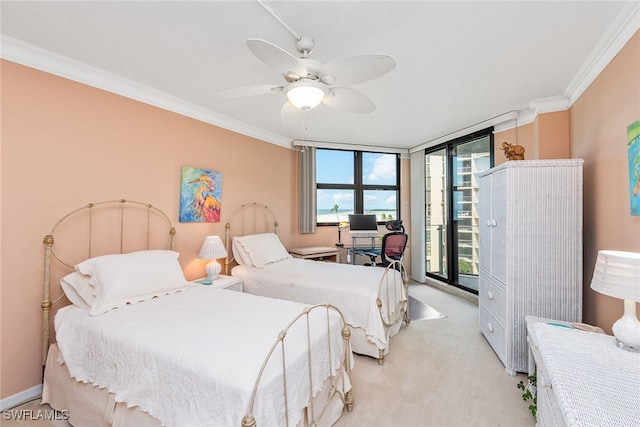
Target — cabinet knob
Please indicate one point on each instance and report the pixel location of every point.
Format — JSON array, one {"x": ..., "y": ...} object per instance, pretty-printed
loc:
[
  {"x": 489, "y": 294},
  {"x": 490, "y": 327},
  {"x": 493, "y": 223},
  {"x": 489, "y": 222}
]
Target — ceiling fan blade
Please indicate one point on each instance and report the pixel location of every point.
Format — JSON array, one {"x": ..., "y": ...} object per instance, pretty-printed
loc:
[
  {"x": 290, "y": 114},
  {"x": 347, "y": 99},
  {"x": 358, "y": 69},
  {"x": 246, "y": 91},
  {"x": 277, "y": 58}
]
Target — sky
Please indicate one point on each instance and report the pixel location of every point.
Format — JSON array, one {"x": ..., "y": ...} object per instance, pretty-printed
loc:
[{"x": 336, "y": 167}]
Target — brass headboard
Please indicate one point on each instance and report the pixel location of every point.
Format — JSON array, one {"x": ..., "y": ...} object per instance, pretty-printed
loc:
[
  {"x": 105, "y": 222},
  {"x": 249, "y": 218}
]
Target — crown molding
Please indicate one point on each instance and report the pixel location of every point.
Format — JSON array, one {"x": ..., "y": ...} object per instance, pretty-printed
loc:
[
  {"x": 621, "y": 30},
  {"x": 523, "y": 117},
  {"x": 23, "y": 53},
  {"x": 619, "y": 33},
  {"x": 550, "y": 104}
]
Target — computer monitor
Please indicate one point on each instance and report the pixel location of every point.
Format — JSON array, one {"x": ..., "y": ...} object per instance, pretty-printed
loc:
[{"x": 363, "y": 222}]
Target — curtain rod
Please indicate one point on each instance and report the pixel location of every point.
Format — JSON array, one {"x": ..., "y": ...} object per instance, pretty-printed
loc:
[{"x": 344, "y": 146}]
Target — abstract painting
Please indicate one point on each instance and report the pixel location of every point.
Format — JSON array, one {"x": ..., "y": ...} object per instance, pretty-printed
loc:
[
  {"x": 200, "y": 195},
  {"x": 633, "y": 149}
]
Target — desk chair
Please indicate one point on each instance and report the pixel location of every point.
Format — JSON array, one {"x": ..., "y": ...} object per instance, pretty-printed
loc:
[
  {"x": 393, "y": 245},
  {"x": 392, "y": 253}
]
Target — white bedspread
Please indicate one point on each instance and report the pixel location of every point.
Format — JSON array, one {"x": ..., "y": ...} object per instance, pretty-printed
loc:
[
  {"x": 191, "y": 358},
  {"x": 353, "y": 289}
]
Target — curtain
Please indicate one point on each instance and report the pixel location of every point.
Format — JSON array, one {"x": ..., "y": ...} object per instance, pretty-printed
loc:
[{"x": 307, "y": 176}]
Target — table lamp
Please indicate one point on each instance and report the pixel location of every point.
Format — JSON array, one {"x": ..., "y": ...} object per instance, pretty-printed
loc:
[
  {"x": 212, "y": 249},
  {"x": 617, "y": 274},
  {"x": 341, "y": 225}
]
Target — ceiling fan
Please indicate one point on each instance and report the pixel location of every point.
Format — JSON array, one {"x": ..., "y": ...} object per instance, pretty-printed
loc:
[{"x": 309, "y": 82}]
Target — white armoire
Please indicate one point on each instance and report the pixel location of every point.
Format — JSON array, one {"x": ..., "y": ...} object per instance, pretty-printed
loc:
[{"x": 530, "y": 251}]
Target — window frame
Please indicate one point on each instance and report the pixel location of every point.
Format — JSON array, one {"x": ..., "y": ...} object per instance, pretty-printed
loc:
[{"x": 358, "y": 186}]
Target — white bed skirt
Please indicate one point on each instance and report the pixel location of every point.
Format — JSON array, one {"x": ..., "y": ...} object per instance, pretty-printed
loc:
[
  {"x": 360, "y": 344},
  {"x": 88, "y": 405}
]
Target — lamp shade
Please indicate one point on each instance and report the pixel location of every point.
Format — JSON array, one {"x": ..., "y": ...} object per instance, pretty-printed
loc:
[
  {"x": 617, "y": 274},
  {"x": 212, "y": 248},
  {"x": 305, "y": 94}
]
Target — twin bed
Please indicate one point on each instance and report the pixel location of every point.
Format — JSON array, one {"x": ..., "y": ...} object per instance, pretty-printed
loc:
[
  {"x": 139, "y": 345},
  {"x": 373, "y": 300}
]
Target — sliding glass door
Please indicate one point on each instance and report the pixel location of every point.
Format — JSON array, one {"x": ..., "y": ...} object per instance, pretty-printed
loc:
[
  {"x": 436, "y": 213},
  {"x": 452, "y": 233}
]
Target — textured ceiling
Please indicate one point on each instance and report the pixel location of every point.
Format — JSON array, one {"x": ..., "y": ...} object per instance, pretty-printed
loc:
[{"x": 458, "y": 63}]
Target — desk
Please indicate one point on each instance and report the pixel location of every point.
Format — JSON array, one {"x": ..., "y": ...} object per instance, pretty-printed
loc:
[
  {"x": 583, "y": 378},
  {"x": 362, "y": 246}
]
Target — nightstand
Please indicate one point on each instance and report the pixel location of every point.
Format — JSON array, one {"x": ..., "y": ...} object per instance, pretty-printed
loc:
[{"x": 224, "y": 282}]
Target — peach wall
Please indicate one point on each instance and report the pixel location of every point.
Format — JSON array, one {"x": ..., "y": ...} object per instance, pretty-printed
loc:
[
  {"x": 65, "y": 144},
  {"x": 554, "y": 139},
  {"x": 547, "y": 137},
  {"x": 599, "y": 120}
]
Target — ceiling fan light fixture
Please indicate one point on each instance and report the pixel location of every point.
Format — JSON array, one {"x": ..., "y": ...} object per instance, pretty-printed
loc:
[{"x": 305, "y": 94}]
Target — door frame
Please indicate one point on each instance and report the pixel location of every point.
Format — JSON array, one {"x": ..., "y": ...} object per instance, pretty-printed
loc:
[{"x": 451, "y": 230}]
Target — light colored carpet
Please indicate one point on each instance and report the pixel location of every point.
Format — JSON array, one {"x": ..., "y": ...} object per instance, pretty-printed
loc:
[{"x": 438, "y": 373}]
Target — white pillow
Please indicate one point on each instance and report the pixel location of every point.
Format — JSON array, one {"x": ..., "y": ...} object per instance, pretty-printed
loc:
[
  {"x": 260, "y": 250},
  {"x": 239, "y": 254},
  {"x": 78, "y": 289},
  {"x": 128, "y": 278}
]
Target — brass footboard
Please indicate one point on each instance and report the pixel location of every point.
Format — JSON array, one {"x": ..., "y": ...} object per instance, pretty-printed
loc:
[
  {"x": 346, "y": 397},
  {"x": 392, "y": 305}
]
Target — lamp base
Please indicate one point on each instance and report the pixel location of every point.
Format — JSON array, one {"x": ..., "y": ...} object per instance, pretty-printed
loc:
[
  {"x": 627, "y": 328},
  {"x": 213, "y": 269},
  {"x": 629, "y": 347}
]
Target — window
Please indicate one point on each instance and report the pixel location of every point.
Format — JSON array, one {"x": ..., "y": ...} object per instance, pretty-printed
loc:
[
  {"x": 356, "y": 182},
  {"x": 451, "y": 196}
]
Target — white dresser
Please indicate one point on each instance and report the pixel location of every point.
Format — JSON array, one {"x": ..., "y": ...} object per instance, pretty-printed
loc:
[
  {"x": 583, "y": 378},
  {"x": 530, "y": 251}
]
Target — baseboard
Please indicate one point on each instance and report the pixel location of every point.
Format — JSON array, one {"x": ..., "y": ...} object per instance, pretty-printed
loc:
[
  {"x": 452, "y": 290},
  {"x": 20, "y": 398}
]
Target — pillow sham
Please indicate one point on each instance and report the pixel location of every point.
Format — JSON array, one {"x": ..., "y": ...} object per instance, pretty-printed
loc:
[
  {"x": 78, "y": 289},
  {"x": 262, "y": 249},
  {"x": 122, "y": 279},
  {"x": 239, "y": 254}
]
